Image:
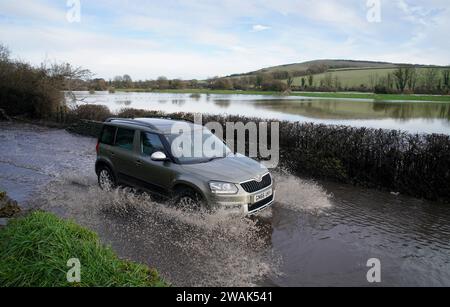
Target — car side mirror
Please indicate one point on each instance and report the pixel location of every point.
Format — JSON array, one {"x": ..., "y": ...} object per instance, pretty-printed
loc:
[{"x": 159, "y": 156}]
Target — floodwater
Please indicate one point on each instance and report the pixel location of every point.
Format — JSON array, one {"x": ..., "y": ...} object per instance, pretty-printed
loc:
[
  {"x": 317, "y": 234},
  {"x": 414, "y": 117}
]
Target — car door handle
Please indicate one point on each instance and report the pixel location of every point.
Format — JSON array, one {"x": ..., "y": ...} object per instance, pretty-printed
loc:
[{"x": 138, "y": 162}]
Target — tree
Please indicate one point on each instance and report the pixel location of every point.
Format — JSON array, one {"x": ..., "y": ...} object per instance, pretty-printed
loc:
[
  {"x": 327, "y": 81},
  {"x": 337, "y": 83},
  {"x": 290, "y": 81},
  {"x": 446, "y": 78},
  {"x": 118, "y": 81},
  {"x": 430, "y": 79},
  {"x": 67, "y": 77},
  {"x": 98, "y": 85},
  {"x": 163, "y": 83},
  {"x": 303, "y": 82},
  {"x": 275, "y": 85},
  {"x": 4, "y": 53},
  {"x": 222, "y": 84},
  {"x": 412, "y": 80},
  {"x": 259, "y": 80},
  {"x": 127, "y": 81},
  {"x": 176, "y": 84},
  {"x": 373, "y": 80},
  {"x": 402, "y": 77},
  {"x": 193, "y": 83},
  {"x": 311, "y": 80}
]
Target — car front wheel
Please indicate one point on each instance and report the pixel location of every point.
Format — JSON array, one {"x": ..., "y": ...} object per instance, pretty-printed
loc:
[{"x": 189, "y": 200}]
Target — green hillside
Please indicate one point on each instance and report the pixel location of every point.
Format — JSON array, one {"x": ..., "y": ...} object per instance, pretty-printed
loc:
[
  {"x": 349, "y": 74},
  {"x": 331, "y": 64}
]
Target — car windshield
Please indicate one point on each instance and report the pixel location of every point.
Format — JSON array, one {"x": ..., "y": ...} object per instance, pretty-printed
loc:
[{"x": 197, "y": 146}]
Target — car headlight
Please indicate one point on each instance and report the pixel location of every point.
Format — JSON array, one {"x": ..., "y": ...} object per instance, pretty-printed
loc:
[{"x": 223, "y": 188}]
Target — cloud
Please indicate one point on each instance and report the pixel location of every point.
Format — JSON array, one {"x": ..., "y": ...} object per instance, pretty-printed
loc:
[
  {"x": 259, "y": 28},
  {"x": 203, "y": 38}
]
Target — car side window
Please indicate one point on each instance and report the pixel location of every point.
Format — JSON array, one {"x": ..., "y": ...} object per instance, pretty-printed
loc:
[
  {"x": 108, "y": 135},
  {"x": 151, "y": 143},
  {"x": 125, "y": 138}
]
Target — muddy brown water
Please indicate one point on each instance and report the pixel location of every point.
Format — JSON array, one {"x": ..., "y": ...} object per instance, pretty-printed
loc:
[{"x": 316, "y": 234}]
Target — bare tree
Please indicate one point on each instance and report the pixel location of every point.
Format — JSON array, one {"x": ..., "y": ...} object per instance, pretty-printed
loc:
[
  {"x": 66, "y": 77},
  {"x": 163, "y": 83},
  {"x": 430, "y": 79},
  {"x": 413, "y": 80},
  {"x": 290, "y": 80},
  {"x": 402, "y": 77},
  {"x": 127, "y": 81},
  {"x": 311, "y": 80},
  {"x": 446, "y": 78},
  {"x": 4, "y": 53},
  {"x": 373, "y": 81}
]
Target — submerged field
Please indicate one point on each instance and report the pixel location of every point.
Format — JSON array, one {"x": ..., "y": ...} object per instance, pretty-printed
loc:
[{"x": 339, "y": 95}]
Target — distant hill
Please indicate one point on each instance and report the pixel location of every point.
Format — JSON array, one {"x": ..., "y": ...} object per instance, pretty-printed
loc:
[
  {"x": 350, "y": 73},
  {"x": 332, "y": 65}
]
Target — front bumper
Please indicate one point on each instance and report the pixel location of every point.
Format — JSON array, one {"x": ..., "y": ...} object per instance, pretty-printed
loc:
[{"x": 243, "y": 203}]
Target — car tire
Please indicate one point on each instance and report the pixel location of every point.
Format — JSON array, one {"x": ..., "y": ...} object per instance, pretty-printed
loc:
[
  {"x": 189, "y": 200},
  {"x": 106, "y": 179}
]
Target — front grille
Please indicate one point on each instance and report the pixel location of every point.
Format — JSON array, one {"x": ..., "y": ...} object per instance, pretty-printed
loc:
[
  {"x": 255, "y": 186},
  {"x": 259, "y": 205}
]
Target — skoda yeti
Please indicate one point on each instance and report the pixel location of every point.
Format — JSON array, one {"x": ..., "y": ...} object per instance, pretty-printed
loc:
[{"x": 141, "y": 153}]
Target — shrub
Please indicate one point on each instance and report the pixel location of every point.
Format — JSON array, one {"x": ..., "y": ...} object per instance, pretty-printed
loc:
[
  {"x": 28, "y": 91},
  {"x": 34, "y": 252},
  {"x": 93, "y": 112},
  {"x": 275, "y": 86}
]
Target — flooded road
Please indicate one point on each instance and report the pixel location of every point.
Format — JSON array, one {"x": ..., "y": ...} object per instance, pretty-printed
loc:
[{"x": 316, "y": 234}]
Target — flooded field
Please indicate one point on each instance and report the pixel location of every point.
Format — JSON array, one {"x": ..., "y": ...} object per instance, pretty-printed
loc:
[
  {"x": 415, "y": 117},
  {"x": 316, "y": 234}
]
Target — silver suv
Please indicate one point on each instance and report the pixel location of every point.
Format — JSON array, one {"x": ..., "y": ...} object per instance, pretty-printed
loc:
[{"x": 140, "y": 153}]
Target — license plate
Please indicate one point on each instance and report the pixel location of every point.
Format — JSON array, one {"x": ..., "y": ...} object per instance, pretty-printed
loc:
[{"x": 263, "y": 195}]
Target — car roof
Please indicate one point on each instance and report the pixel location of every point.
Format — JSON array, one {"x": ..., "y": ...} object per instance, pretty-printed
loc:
[{"x": 159, "y": 125}]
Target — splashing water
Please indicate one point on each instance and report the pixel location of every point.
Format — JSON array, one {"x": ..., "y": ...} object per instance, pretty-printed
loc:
[
  {"x": 301, "y": 195},
  {"x": 189, "y": 249}
]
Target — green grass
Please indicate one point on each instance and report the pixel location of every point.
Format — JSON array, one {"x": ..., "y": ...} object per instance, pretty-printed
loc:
[
  {"x": 34, "y": 251},
  {"x": 340, "y": 95}
]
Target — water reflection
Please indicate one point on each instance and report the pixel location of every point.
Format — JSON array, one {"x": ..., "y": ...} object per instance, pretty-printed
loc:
[
  {"x": 225, "y": 104},
  {"x": 415, "y": 117},
  {"x": 124, "y": 102},
  {"x": 179, "y": 102}
]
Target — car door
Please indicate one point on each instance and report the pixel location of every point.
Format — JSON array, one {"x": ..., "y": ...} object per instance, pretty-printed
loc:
[
  {"x": 157, "y": 175},
  {"x": 123, "y": 153}
]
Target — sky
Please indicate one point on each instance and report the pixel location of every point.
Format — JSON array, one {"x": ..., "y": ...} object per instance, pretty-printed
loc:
[{"x": 204, "y": 38}]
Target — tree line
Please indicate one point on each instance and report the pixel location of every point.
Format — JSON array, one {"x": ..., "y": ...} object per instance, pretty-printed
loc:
[{"x": 408, "y": 80}]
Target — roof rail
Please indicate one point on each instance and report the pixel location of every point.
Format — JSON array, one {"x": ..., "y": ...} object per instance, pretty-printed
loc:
[{"x": 132, "y": 121}]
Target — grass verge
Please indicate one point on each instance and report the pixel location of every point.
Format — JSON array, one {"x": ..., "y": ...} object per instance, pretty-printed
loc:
[
  {"x": 34, "y": 251},
  {"x": 340, "y": 95}
]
